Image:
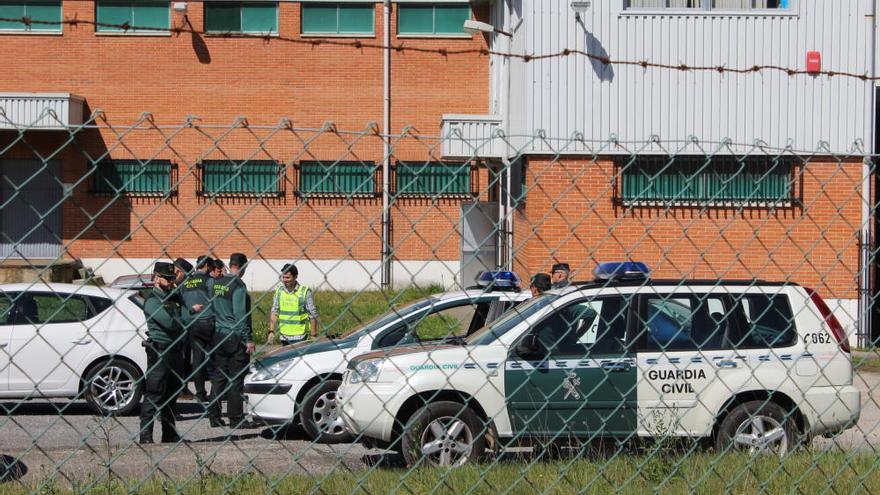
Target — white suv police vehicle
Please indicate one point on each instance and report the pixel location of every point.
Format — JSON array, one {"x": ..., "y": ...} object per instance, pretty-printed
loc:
[
  {"x": 749, "y": 365},
  {"x": 298, "y": 383}
]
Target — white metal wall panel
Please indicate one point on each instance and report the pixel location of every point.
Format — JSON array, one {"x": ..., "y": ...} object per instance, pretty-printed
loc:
[
  {"x": 565, "y": 95},
  {"x": 467, "y": 136},
  {"x": 43, "y": 111}
]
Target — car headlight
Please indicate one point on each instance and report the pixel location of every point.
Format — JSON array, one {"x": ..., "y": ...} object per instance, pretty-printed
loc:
[
  {"x": 271, "y": 371},
  {"x": 366, "y": 371}
]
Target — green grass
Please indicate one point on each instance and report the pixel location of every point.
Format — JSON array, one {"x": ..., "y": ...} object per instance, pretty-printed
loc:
[
  {"x": 339, "y": 312},
  {"x": 867, "y": 364},
  {"x": 804, "y": 472}
]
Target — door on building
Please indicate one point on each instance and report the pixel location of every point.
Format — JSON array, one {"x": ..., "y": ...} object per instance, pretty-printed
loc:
[
  {"x": 479, "y": 239},
  {"x": 31, "y": 195}
]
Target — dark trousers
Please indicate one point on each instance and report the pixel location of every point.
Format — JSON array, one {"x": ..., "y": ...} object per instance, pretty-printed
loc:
[
  {"x": 230, "y": 367},
  {"x": 162, "y": 384},
  {"x": 201, "y": 335}
]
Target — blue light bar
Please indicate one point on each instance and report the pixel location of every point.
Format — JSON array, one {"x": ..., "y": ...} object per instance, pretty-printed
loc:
[
  {"x": 622, "y": 270},
  {"x": 500, "y": 280}
]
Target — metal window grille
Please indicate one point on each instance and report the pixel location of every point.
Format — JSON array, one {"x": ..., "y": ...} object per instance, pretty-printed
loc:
[{"x": 252, "y": 178}]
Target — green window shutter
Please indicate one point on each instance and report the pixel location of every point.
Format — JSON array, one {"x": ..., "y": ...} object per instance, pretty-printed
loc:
[
  {"x": 449, "y": 19},
  {"x": 12, "y": 10},
  {"x": 319, "y": 18},
  {"x": 151, "y": 15},
  {"x": 247, "y": 178},
  {"x": 357, "y": 19},
  {"x": 133, "y": 177},
  {"x": 415, "y": 19},
  {"x": 259, "y": 17},
  {"x": 434, "y": 178},
  {"x": 44, "y": 11},
  {"x": 222, "y": 17},
  {"x": 724, "y": 179},
  {"x": 115, "y": 13},
  {"x": 339, "y": 178}
]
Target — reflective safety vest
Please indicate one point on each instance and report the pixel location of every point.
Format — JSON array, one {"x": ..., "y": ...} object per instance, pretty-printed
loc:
[{"x": 293, "y": 319}]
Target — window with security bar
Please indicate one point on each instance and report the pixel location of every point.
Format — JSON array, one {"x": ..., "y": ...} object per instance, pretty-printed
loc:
[
  {"x": 338, "y": 18},
  {"x": 250, "y": 178},
  {"x": 433, "y": 179},
  {"x": 707, "y": 181},
  {"x": 133, "y": 177},
  {"x": 36, "y": 10},
  {"x": 111, "y": 15},
  {"x": 241, "y": 17},
  {"x": 341, "y": 178}
]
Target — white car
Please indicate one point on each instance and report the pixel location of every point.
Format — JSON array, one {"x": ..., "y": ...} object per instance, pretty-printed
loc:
[
  {"x": 72, "y": 341},
  {"x": 298, "y": 383},
  {"x": 748, "y": 365}
]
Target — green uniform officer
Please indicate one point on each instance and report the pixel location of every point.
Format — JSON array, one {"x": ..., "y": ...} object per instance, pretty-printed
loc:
[
  {"x": 293, "y": 309},
  {"x": 198, "y": 316},
  {"x": 164, "y": 358},
  {"x": 232, "y": 343}
]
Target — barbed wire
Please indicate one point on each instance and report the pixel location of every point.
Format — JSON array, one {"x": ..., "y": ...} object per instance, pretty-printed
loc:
[{"x": 445, "y": 52}]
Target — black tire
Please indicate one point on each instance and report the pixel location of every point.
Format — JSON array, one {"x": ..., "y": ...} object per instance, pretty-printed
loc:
[
  {"x": 465, "y": 445},
  {"x": 98, "y": 391},
  {"x": 748, "y": 426},
  {"x": 319, "y": 415}
]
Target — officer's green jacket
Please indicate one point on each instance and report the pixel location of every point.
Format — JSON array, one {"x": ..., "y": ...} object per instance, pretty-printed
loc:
[
  {"x": 196, "y": 288},
  {"x": 162, "y": 309},
  {"x": 231, "y": 305}
]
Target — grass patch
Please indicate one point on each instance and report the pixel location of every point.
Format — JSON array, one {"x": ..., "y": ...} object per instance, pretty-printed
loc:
[
  {"x": 805, "y": 471},
  {"x": 869, "y": 364},
  {"x": 339, "y": 312}
]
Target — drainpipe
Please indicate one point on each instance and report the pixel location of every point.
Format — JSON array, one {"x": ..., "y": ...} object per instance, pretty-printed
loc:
[
  {"x": 386, "y": 145},
  {"x": 505, "y": 124},
  {"x": 865, "y": 240}
]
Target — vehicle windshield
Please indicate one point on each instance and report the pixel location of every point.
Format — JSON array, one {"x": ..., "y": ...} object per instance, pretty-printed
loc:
[
  {"x": 512, "y": 318},
  {"x": 386, "y": 318}
]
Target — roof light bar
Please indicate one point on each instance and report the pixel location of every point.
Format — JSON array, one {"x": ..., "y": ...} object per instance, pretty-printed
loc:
[{"x": 621, "y": 270}]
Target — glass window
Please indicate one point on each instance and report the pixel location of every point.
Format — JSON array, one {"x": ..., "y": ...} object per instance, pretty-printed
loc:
[
  {"x": 135, "y": 14},
  {"x": 337, "y": 178},
  {"x": 338, "y": 18},
  {"x": 511, "y": 319},
  {"x": 768, "y": 319},
  {"x": 246, "y": 178},
  {"x": 40, "y": 308},
  {"x": 709, "y": 4},
  {"x": 241, "y": 17},
  {"x": 7, "y": 300},
  {"x": 433, "y": 178},
  {"x": 691, "y": 322},
  {"x": 100, "y": 304},
  {"x": 36, "y": 10},
  {"x": 716, "y": 180},
  {"x": 454, "y": 321},
  {"x": 594, "y": 327},
  {"x": 134, "y": 177},
  {"x": 432, "y": 19}
]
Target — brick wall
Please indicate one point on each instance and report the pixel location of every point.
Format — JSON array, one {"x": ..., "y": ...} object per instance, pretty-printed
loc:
[
  {"x": 570, "y": 217},
  {"x": 219, "y": 79}
]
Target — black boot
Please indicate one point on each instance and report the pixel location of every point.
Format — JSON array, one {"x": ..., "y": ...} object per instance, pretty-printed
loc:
[
  {"x": 216, "y": 422},
  {"x": 145, "y": 439},
  {"x": 170, "y": 436}
]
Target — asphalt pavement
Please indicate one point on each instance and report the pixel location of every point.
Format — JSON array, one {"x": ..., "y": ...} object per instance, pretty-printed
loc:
[{"x": 75, "y": 445}]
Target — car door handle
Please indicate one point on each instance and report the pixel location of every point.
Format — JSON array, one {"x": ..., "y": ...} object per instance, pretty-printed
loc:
[
  {"x": 727, "y": 363},
  {"x": 82, "y": 341},
  {"x": 616, "y": 367},
  {"x": 3, "y": 346}
]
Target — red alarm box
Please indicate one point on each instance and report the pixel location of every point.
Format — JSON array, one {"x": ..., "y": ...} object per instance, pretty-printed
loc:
[{"x": 814, "y": 62}]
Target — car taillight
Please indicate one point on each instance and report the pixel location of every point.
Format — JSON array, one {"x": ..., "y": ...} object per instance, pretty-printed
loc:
[{"x": 828, "y": 316}]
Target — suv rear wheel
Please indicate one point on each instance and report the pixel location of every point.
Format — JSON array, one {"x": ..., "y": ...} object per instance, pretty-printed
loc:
[
  {"x": 443, "y": 434},
  {"x": 757, "y": 427}
]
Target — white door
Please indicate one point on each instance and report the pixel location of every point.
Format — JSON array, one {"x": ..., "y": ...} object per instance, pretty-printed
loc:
[
  {"x": 6, "y": 305},
  {"x": 50, "y": 340}
]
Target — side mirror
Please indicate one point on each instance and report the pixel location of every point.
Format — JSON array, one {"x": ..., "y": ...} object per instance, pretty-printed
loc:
[{"x": 531, "y": 347}]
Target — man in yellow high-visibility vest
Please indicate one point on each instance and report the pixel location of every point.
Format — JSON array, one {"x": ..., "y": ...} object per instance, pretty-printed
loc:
[{"x": 293, "y": 310}]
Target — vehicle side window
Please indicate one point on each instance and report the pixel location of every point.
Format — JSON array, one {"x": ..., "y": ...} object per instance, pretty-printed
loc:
[
  {"x": 100, "y": 304},
  {"x": 685, "y": 322},
  {"x": 592, "y": 327},
  {"x": 768, "y": 321},
  {"x": 7, "y": 303},
  {"x": 41, "y": 308},
  {"x": 454, "y": 321}
]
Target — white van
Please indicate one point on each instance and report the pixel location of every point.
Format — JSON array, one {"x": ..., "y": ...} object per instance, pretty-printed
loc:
[{"x": 750, "y": 365}]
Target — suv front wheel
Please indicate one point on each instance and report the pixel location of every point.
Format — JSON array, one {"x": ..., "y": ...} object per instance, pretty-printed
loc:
[
  {"x": 757, "y": 427},
  {"x": 443, "y": 434}
]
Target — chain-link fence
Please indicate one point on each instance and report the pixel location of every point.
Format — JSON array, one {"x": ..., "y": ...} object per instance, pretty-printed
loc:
[{"x": 264, "y": 308}]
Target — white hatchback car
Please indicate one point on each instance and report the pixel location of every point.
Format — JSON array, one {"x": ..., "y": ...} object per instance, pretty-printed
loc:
[
  {"x": 72, "y": 341},
  {"x": 750, "y": 365},
  {"x": 298, "y": 383}
]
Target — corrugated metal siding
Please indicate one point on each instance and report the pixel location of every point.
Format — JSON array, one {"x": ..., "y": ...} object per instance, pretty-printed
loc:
[
  {"x": 35, "y": 110},
  {"x": 31, "y": 198},
  {"x": 573, "y": 94},
  {"x": 466, "y": 136}
]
